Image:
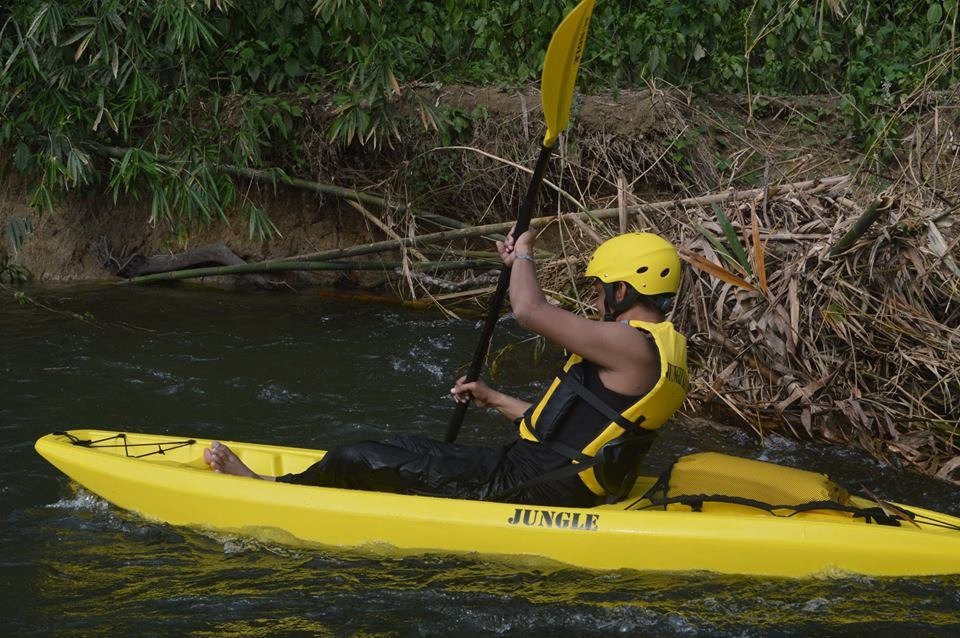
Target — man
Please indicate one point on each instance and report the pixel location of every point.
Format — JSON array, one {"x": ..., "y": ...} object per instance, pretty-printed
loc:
[{"x": 582, "y": 440}]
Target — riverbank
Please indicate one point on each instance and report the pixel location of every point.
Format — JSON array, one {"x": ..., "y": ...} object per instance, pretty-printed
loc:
[
  {"x": 790, "y": 329},
  {"x": 635, "y": 147}
]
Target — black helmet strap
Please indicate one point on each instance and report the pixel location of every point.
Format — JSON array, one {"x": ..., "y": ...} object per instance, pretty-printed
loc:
[{"x": 611, "y": 307}]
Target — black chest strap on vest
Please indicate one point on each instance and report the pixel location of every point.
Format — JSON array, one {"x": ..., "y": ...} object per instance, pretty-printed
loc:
[
  {"x": 584, "y": 461},
  {"x": 600, "y": 405},
  {"x": 633, "y": 435}
]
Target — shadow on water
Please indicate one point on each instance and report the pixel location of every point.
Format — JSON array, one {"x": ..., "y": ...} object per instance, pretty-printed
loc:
[{"x": 302, "y": 370}]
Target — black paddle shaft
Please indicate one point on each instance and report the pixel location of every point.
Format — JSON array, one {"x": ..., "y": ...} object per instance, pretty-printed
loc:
[{"x": 480, "y": 354}]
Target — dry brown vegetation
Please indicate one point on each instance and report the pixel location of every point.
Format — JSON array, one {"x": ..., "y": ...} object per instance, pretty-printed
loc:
[{"x": 857, "y": 345}]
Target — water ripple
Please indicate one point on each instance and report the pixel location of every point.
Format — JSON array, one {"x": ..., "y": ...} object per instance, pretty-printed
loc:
[{"x": 245, "y": 366}]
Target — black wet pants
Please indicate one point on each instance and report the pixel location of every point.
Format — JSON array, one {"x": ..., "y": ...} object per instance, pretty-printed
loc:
[
  {"x": 407, "y": 465},
  {"x": 419, "y": 465}
]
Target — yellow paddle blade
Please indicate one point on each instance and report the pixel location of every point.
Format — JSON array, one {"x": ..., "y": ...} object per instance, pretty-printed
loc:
[{"x": 560, "y": 69}]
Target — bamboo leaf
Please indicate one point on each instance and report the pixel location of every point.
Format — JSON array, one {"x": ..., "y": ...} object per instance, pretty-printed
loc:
[
  {"x": 733, "y": 240},
  {"x": 260, "y": 225},
  {"x": 33, "y": 57},
  {"x": 112, "y": 122},
  {"x": 718, "y": 246},
  {"x": 16, "y": 232},
  {"x": 393, "y": 82},
  {"x": 12, "y": 58},
  {"x": 37, "y": 19},
  {"x": 715, "y": 270},
  {"x": 83, "y": 45}
]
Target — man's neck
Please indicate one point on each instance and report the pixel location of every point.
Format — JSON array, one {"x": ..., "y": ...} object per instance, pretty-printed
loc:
[{"x": 640, "y": 312}]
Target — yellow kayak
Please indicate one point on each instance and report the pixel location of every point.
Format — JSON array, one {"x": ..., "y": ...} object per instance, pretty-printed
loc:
[{"x": 165, "y": 479}]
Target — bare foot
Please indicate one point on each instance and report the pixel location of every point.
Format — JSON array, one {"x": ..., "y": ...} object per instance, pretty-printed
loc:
[{"x": 220, "y": 458}]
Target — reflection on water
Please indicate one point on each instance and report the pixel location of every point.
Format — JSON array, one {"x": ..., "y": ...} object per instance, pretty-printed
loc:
[
  {"x": 301, "y": 370},
  {"x": 108, "y": 573}
]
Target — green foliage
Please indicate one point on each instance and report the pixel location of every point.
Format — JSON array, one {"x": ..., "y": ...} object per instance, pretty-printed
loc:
[
  {"x": 733, "y": 252},
  {"x": 258, "y": 224},
  {"x": 191, "y": 85},
  {"x": 12, "y": 273},
  {"x": 459, "y": 121},
  {"x": 15, "y": 231},
  {"x": 739, "y": 253}
]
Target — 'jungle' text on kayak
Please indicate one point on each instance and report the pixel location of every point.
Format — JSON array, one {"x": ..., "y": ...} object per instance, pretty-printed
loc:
[{"x": 562, "y": 520}]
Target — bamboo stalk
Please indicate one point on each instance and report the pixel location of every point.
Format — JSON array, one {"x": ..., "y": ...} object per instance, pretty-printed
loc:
[
  {"x": 807, "y": 186},
  {"x": 622, "y": 202},
  {"x": 282, "y": 266},
  {"x": 486, "y": 229},
  {"x": 603, "y": 213},
  {"x": 864, "y": 221}
]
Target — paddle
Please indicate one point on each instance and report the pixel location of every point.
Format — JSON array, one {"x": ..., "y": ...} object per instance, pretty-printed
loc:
[{"x": 556, "y": 87}]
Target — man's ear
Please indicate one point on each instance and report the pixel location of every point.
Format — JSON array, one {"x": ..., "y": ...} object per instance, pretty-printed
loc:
[{"x": 621, "y": 291}]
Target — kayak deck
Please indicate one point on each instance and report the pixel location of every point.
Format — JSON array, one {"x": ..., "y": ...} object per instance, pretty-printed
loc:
[{"x": 164, "y": 478}]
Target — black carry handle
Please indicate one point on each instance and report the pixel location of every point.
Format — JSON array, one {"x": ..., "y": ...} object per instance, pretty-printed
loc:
[{"x": 480, "y": 354}]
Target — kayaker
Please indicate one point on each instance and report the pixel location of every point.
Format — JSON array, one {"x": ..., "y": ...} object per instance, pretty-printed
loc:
[{"x": 580, "y": 442}]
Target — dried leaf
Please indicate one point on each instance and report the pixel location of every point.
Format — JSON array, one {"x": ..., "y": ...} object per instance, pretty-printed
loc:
[
  {"x": 891, "y": 510},
  {"x": 716, "y": 270},
  {"x": 83, "y": 45},
  {"x": 759, "y": 249},
  {"x": 794, "y": 302},
  {"x": 393, "y": 81},
  {"x": 947, "y": 468},
  {"x": 939, "y": 246}
]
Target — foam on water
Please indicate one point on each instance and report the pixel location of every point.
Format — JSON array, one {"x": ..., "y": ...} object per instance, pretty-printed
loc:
[{"x": 82, "y": 500}]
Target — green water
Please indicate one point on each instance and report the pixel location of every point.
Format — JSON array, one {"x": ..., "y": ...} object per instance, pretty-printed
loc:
[{"x": 301, "y": 369}]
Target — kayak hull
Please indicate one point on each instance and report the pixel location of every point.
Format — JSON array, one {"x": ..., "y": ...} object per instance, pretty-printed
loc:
[{"x": 177, "y": 487}]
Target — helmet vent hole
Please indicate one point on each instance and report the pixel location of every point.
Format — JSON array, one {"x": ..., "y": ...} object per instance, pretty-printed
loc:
[
  {"x": 664, "y": 272},
  {"x": 641, "y": 270}
]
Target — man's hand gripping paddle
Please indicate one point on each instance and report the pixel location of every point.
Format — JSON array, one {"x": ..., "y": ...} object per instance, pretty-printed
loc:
[{"x": 556, "y": 87}]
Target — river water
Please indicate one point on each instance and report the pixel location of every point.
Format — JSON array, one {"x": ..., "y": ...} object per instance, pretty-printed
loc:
[{"x": 304, "y": 369}]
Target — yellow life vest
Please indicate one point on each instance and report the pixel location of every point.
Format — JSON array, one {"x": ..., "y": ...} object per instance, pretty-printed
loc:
[{"x": 649, "y": 412}]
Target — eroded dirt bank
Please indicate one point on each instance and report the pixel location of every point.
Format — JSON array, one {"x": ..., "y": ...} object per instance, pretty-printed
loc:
[{"x": 633, "y": 147}]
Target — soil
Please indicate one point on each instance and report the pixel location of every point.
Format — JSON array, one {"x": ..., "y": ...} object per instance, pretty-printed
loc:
[{"x": 70, "y": 243}]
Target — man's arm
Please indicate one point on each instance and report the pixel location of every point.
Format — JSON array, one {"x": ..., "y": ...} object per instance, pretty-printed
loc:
[
  {"x": 486, "y": 397},
  {"x": 610, "y": 345}
]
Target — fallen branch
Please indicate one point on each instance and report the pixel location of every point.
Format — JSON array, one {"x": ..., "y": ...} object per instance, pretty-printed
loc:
[
  {"x": 210, "y": 256},
  {"x": 454, "y": 286},
  {"x": 817, "y": 185},
  {"x": 603, "y": 213},
  {"x": 218, "y": 253},
  {"x": 278, "y": 266}
]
